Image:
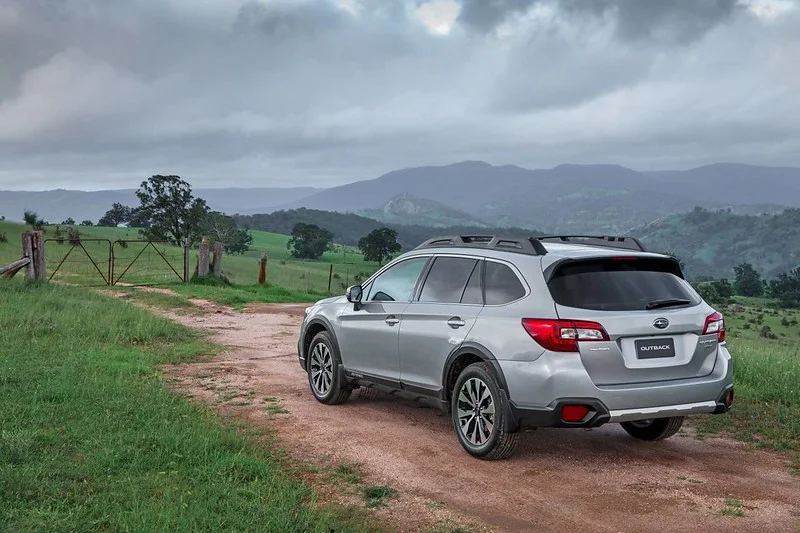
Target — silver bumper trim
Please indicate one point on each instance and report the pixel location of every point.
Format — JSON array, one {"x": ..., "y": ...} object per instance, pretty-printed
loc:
[{"x": 643, "y": 413}]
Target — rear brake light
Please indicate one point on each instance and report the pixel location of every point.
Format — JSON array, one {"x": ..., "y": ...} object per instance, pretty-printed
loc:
[
  {"x": 574, "y": 413},
  {"x": 563, "y": 335},
  {"x": 624, "y": 258},
  {"x": 715, "y": 323}
]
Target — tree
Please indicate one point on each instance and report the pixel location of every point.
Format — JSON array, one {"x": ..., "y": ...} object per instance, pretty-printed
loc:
[
  {"x": 168, "y": 210},
  {"x": 787, "y": 288},
  {"x": 748, "y": 281},
  {"x": 137, "y": 219},
  {"x": 118, "y": 214},
  {"x": 379, "y": 244},
  {"x": 222, "y": 228},
  {"x": 309, "y": 241},
  {"x": 87, "y": 222},
  {"x": 33, "y": 220},
  {"x": 69, "y": 222},
  {"x": 723, "y": 288}
]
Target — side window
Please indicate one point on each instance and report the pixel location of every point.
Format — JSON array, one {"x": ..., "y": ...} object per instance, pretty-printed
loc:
[
  {"x": 447, "y": 279},
  {"x": 502, "y": 284},
  {"x": 472, "y": 292},
  {"x": 397, "y": 283}
]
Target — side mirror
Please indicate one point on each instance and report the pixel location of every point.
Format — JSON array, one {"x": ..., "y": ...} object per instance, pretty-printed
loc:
[{"x": 354, "y": 294}]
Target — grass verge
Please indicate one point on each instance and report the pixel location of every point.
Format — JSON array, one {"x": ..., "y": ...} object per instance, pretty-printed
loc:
[
  {"x": 90, "y": 438},
  {"x": 239, "y": 295}
]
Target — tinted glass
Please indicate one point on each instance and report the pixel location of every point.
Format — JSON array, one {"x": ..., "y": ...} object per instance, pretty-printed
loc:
[
  {"x": 619, "y": 285},
  {"x": 447, "y": 279},
  {"x": 473, "y": 293},
  {"x": 397, "y": 284},
  {"x": 502, "y": 285}
]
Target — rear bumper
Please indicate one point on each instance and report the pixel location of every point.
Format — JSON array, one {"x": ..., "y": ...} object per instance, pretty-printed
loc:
[
  {"x": 599, "y": 414},
  {"x": 540, "y": 384}
]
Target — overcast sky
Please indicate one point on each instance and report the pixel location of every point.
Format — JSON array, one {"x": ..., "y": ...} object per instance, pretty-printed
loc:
[{"x": 103, "y": 93}]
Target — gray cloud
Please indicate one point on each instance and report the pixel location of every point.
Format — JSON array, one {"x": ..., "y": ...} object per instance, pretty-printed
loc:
[
  {"x": 99, "y": 93},
  {"x": 486, "y": 15}
]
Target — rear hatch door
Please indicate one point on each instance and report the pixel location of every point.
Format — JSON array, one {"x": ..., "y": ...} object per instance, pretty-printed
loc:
[{"x": 653, "y": 318}]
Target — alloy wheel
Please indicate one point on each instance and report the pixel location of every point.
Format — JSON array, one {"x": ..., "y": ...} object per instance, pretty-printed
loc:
[
  {"x": 321, "y": 369},
  {"x": 475, "y": 411}
]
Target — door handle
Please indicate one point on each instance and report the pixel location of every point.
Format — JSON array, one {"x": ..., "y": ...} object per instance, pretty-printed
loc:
[
  {"x": 392, "y": 320},
  {"x": 455, "y": 322}
]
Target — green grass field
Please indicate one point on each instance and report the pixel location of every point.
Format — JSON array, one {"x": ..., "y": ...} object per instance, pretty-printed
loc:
[
  {"x": 92, "y": 440},
  {"x": 766, "y": 376},
  {"x": 150, "y": 267}
]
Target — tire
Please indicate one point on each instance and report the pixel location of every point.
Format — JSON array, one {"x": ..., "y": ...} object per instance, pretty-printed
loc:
[
  {"x": 327, "y": 381},
  {"x": 471, "y": 420},
  {"x": 654, "y": 429}
]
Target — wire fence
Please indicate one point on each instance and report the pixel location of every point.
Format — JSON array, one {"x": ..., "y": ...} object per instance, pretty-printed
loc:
[{"x": 141, "y": 262}]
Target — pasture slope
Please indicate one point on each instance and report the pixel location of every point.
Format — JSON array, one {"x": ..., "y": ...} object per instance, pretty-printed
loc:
[{"x": 282, "y": 269}]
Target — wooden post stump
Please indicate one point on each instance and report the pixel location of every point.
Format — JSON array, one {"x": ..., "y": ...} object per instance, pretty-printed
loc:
[
  {"x": 27, "y": 251},
  {"x": 262, "y": 269},
  {"x": 217, "y": 259},
  {"x": 202, "y": 264},
  {"x": 39, "y": 264}
]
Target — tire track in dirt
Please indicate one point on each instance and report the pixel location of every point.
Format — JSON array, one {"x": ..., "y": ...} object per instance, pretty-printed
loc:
[{"x": 559, "y": 480}]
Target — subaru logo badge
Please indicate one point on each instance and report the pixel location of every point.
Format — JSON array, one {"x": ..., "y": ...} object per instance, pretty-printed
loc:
[{"x": 661, "y": 323}]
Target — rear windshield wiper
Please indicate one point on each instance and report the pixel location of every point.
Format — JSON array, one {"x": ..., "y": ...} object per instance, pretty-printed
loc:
[{"x": 667, "y": 302}]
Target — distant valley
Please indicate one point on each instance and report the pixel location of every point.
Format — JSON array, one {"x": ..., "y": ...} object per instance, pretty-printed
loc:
[{"x": 713, "y": 217}]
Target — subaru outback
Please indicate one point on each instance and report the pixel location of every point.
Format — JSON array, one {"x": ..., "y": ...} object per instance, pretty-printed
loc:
[{"x": 506, "y": 333}]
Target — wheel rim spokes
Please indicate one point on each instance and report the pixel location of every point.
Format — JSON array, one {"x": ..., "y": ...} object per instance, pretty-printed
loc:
[
  {"x": 475, "y": 411},
  {"x": 321, "y": 369}
]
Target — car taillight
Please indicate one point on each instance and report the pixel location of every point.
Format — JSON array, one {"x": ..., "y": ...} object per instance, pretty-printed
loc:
[
  {"x": 715, "y": 323},
  {"x": 563, "y": 335}
]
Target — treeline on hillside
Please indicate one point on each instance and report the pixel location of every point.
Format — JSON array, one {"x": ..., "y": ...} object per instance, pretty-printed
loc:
[
  {"x": 711, "y": 243},
  {"x": 348, "y": 228},
  {"x": 747, "y": 281}
]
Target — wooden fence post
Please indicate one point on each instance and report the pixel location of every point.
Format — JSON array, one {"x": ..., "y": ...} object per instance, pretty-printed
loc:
[
  {"x": 186, "y": 256},
  {"x": 39, "y": 264},
  {"x": 217, "y": 259},
  {"x": 202, "y": 265},
  {"x": 262, "y": 269},
  {"x": 27, "y": 251},
  {"x": 330, "y": 278}
]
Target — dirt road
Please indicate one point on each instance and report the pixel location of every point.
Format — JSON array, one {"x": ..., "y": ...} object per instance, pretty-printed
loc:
[{"x": 559, "y": 480}]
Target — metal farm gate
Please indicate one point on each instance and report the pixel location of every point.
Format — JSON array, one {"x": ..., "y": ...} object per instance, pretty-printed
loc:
[
  {"x": 144, "y": 262},
  {"x": 99, "y": 262}
]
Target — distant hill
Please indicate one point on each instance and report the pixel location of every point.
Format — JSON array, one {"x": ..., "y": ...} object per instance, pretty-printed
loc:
[
  {"x": 711, "y": 243},
  {"x": 409, "y": 209},
  {"x": 348, "y": 228},
  {"x": 571, "y": 198},
  {"x": 57, "y": 205}
]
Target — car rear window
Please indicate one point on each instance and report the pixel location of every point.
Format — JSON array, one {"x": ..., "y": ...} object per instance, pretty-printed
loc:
[{"x": 619, "y": 284}]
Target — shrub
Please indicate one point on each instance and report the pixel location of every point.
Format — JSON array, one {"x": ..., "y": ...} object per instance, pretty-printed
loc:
[
  {"x": 766, "y": 332},
  {"x": 3, "y": 237}
]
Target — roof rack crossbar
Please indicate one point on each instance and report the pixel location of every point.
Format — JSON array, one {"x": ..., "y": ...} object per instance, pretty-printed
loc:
[
  {"x": 606, "y": 241},
  {"x": 528, "y": 246}
]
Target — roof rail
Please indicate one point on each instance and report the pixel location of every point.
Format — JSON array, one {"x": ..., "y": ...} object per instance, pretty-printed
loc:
[
  {"x": 605, "y": 241},
  {"x": 528, "y": 246}
]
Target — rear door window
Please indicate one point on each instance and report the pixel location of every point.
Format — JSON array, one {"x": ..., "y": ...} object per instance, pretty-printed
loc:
[
  {"x": 621, "y": 284},
  {"x": 447, "y": 280},
  {"x": 502, "y": 284}
]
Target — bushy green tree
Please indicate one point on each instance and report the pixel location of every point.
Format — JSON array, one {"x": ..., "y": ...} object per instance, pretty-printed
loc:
[
  {"x": 168, "y": 210},
  {"x": 309, "y": 241},
  {"x": 87, "y": 222},
  {"x": 220, "y": 227},
  {"x": 69, "y": 221},
  {"x": 118, "y": 214},
  {"x": 748, "y": 281},
  {"x": 787, "y": 288},
  {"x": 379, "y": 244}
]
